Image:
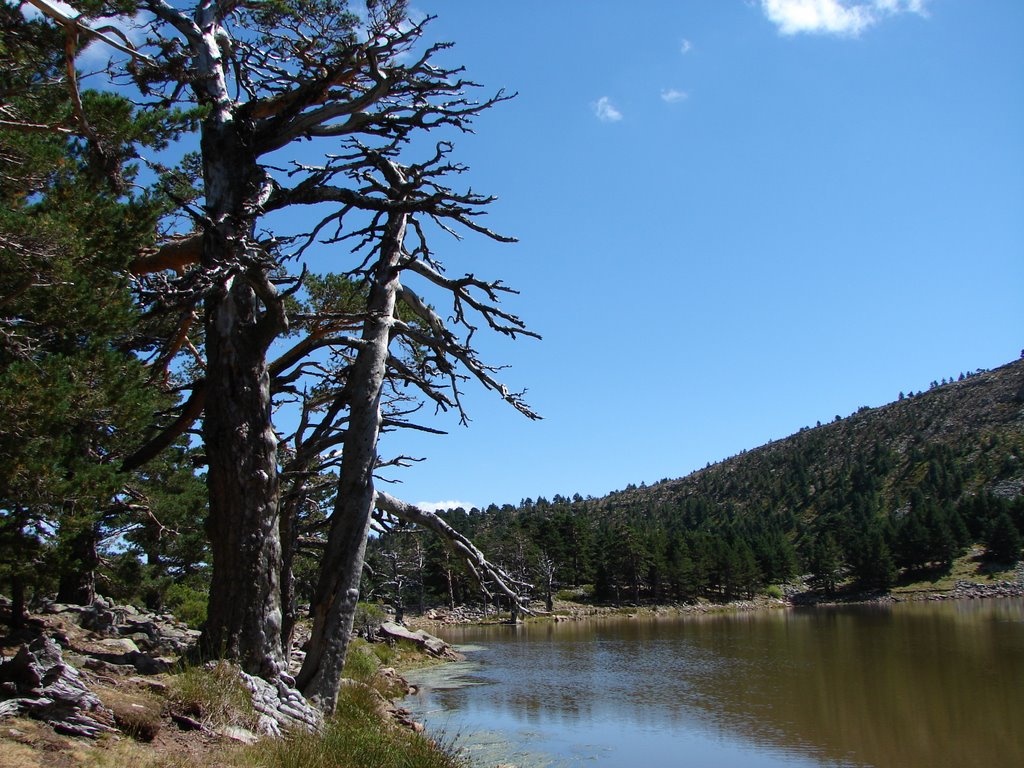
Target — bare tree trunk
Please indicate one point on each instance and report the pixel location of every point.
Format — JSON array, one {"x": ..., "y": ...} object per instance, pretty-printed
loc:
[
  {"x": 451, "y": 586},
  {"x": 77, "y": 584},
  {"x": 337, "y": 592},
  {"x": 244, "y": 614},
  {"x": 289, "y": 612}
]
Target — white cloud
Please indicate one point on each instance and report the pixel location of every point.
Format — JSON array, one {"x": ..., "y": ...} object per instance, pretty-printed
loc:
[
  {"x": 605, "y": 111},
  {"x": 441, "y": 506},
  {"x": 686, "y": 46},
  {"x": 673, "y": 96},
  {"x": 834, "y": 17}
]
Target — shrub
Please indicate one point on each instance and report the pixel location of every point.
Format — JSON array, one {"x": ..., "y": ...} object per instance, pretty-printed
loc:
[
  {"x": 186, "y": 603},
  {"x": 369, "y": 617}
]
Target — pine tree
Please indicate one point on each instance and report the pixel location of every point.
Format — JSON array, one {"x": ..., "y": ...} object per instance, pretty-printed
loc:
[
  {"x": 74, "y": 392},
  {"x": 1003, "y": 540}
]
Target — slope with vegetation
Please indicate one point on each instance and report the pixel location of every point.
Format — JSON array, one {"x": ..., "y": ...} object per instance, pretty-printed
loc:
[{"x": 887, "y": 495}]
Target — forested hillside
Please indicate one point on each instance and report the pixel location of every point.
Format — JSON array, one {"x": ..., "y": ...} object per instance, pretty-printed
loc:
[{"x": 883, "y": 494}]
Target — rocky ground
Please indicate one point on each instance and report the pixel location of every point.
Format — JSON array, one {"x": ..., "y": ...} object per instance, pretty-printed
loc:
[{"x": 99, "y": 685}]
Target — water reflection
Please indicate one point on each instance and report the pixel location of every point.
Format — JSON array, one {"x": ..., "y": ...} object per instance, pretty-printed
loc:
[{"x": 908, "y": 685}]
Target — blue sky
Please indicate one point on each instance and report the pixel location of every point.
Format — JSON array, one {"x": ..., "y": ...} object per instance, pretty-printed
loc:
[{"x": 736, "y": 218}]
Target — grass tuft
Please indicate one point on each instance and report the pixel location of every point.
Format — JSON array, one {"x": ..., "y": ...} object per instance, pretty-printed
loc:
[
  {"x": 136, "y": 714},
  {"x": 214, "y": 695},
  {"x": 356, "y": 737}
]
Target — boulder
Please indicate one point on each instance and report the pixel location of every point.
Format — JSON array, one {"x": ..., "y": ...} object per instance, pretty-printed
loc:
[
  {"x": 435, "y": 646},
  {"x": 39, "y": 683}
]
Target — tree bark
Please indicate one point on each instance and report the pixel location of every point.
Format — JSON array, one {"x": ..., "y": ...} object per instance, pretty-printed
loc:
[
  {"x": 18, "y": 613},
  {"x": 77, "y": 583},
  {"x": 337, "y": 592},
  {"x": 244, "y": 613}
]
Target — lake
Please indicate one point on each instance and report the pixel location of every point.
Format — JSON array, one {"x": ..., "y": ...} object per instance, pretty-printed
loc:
[{"x": 901, "y": 685}]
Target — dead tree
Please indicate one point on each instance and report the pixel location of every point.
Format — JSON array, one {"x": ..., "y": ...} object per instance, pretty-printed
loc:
[
  {"x": 404, "y": 201},
  {"x": 273, "y": 84},
  {"x": 268, "y": 78}
]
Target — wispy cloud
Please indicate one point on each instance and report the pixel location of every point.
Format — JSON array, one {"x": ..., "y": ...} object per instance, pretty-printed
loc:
[
  {"x": 673, "y": 96},
  {"x": 834, "y": 17},
  {"x": 441, "y": 506},
  {"x": 685, "y": 47},
  {"x": 606, "y": 111}
]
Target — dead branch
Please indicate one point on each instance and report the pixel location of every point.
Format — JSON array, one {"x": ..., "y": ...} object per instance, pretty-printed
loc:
[
  {"x": 478, "y": 563},
  {"x": 176, "y": 254}
]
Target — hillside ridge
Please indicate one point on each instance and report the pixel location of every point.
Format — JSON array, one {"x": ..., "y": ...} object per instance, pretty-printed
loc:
[{"x": 985, "y": 400}]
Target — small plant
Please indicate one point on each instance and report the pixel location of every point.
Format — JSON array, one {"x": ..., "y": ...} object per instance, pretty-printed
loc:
[
  {"x": 214, "y": 695},
  {"x": 773, "y": 591},
  {"x": 136, "y": 714},
  {"x": 356, "y": 737}
]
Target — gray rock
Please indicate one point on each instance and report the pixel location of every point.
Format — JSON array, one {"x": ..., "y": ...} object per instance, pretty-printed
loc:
[
  {"x": 118, "y": 645},
  {"x": 435, "y": 646},
  {"x": 39, "y": 683},
  {"x": 235, "y": 733}
]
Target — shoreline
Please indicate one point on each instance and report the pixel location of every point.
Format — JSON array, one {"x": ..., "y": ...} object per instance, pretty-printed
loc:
[{"x": 572, "y": 611}]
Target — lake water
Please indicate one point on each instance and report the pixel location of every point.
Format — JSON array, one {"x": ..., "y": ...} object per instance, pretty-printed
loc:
[{"x": 904, "y": 686}]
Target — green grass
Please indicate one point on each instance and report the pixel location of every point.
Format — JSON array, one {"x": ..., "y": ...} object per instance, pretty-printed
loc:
[
  {"x": 969, "y": 567},
  {"x": 363, "y": 664},
  {"x": 213, "y": 695},
  {"x": 403, "y": 654},
  {"x": 356, "y": 737}
]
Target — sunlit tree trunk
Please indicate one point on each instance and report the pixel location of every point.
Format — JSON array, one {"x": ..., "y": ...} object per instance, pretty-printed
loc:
[
  {"x": 337, "y": 592},
  {"x": 244, "y": 614}
]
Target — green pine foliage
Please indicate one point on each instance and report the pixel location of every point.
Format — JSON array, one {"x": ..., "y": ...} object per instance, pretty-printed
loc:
[{"x": 75, "y": 391}]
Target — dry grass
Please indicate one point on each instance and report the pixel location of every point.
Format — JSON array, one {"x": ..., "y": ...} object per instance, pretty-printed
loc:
[
  {"x": 20, "y": 745},
  {"x": 137, "y": 713}
]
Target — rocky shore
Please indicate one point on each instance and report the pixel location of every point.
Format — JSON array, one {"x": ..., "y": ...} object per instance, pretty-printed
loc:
[
  {"x": 52, "y": 668},
  {"x": 795, "y": 594}
]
